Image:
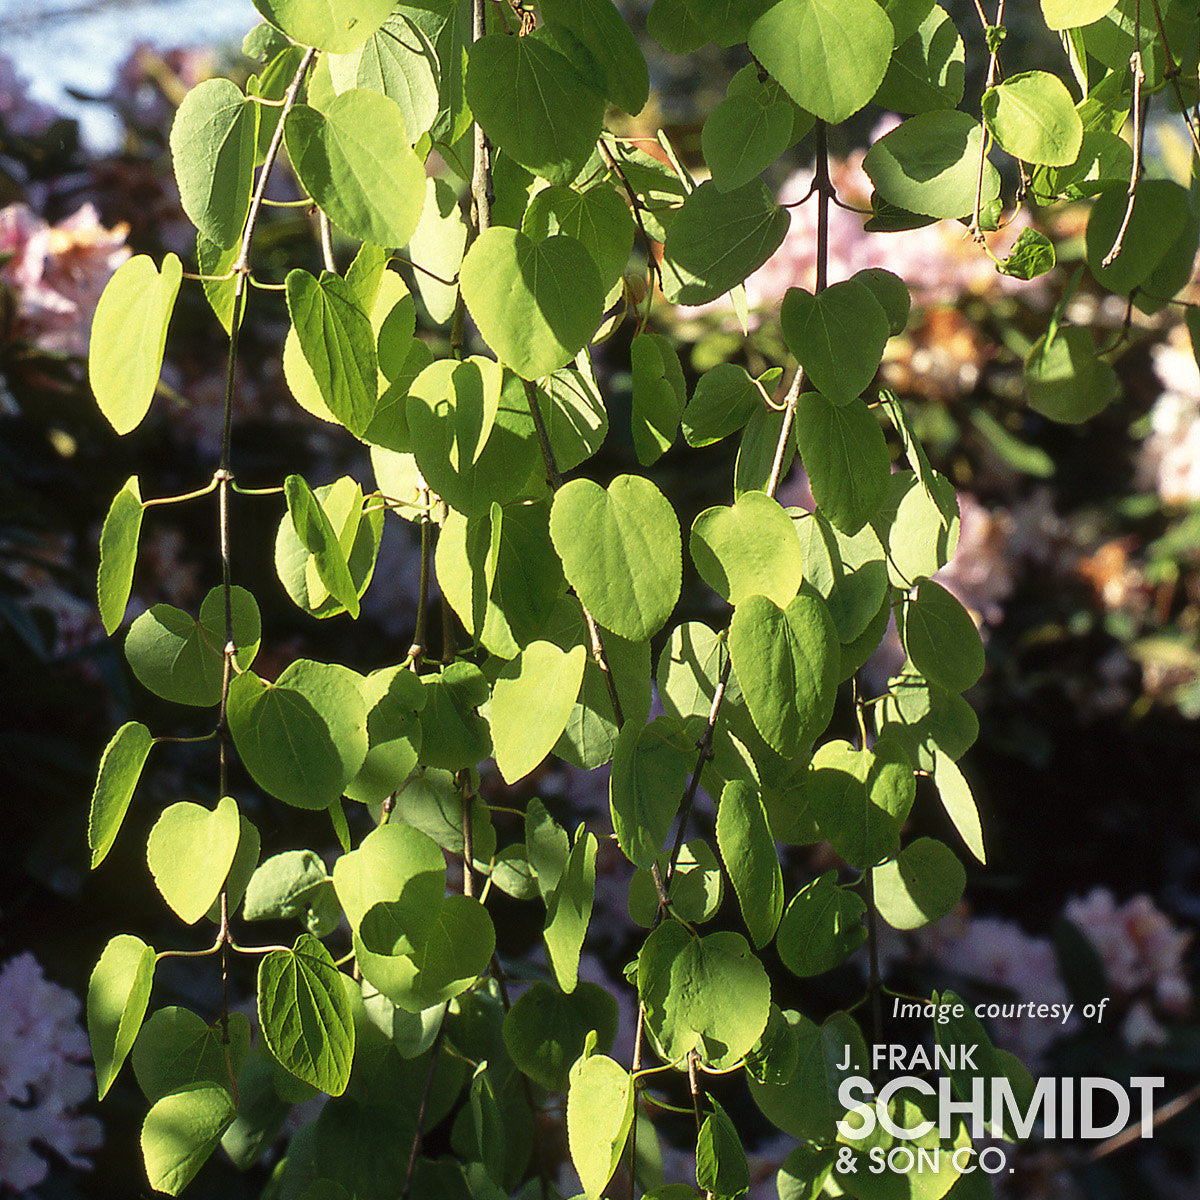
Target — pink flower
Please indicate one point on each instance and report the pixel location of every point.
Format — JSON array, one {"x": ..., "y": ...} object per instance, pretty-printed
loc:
[
  {"x": 21, "y": 116},
  {"x": 58, "y": 272},
  {"x": 43, "y": 1076}
]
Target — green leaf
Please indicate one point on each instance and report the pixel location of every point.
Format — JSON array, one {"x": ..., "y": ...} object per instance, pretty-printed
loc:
[
  {"x": 545, "y": 1031},
  {"x": 118, "y": 992},
  {"x": 531, "y": 701},
  {"x": 621, "y": 552},
  {"x": 850, "y": 573},
  {"x": 744, "y": 135},
  {"x": 357, "y": 530},
  {"x": 453, "y": 734},
  {"x": 688, "y": 669},
  {"x": 1160, "y": 213},
  {"x": 649, "y": 770},
  {"x": 422, "y": 957},
  {"x": 860, "y": 798},
  {"x": 317, "y": 537},
  {"x": 787, "y": 664},
  {"x": 574, "y": 412},
  {"x": 472, "y": 434},
  {"x": 748, "y": 851},
  {"x": 918, "y": 525},
  {"x": 721, "y": 1167},
  {"x": 926, "y": 719},
  {"x": 927, "y": 70},
  {"x": 533, "y": 105},
  {"x": 118, "y": 553},
  {"x": 180, "y": 1133},
  {"x": 830, "y": 55},
  {"x": 837, "y": 336},
  {"x": 599, "y": 1113},
  {"x": 807, "y": 1105},
  {"x": 304, "y": 737},
  {"x": 717, "y": 239},
  {"x": 606, "y": 35},
  {"x": 598, "y": 219},
  {"x": 393, "y": 861},
  {"x": 190, "y": 852},
  {"x": 673, "y": 25},
  {"x": 129, "y": 335},
  {"x": 120, "y": 769},
  {"x": 338, "y": 345},
  {"x": 659, "y": 395},
  {"x": 890, "y": 292},
  {"x": 1032, "y": 255},
  {"x": 356, "y": 161},
  {"x": 724, "y": 399},
  {"x": 536, "y": 303},
  {"x": 500, "y": 574},
  {"x": 955, "y": 794},
  {"x": 293, "y": 885},
  {"x": 394, "y": 696},
  {"x": 929, "y": 163},
  {"x": 748, "y": 549},
  {"x": 940, "y": 637},
  {"x": 1064, "y": 380},
  {"x": 438, "y": 244},
  {"x": 709, "y": 994},
  {"x": 213, "y": 143},
  {"x": 920, "y": 886},
  {"x": 569, "y": 909},
  {"x": 176, "y": 1049},
  {"x": 1071, "y": 14},
  {"x": 804, "y": 1173},
  {"x": 333, "y": 25},
  {"x": 846, "y": 457},
  {"x": 821, "y": 928},
  {"x": 695, "y": 891},
  {"x": 398, "y": 61},
  {"x": 757, "y": 451},
  {"x": 305, "y": 1015},
  {"x": 548, "y": 846},
  {"x": 181, "y": 659},
  {"x": 1033, "y": 117}
]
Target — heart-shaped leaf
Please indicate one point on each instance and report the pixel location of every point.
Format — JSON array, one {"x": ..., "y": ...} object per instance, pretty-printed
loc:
[
  {"x": 337, "y": 26},
  {"x": 537, "y": 304},
  {"x": 531, "y": 701},
  {"x": 621, "y": 551},
  {"x": 305, "y": 1015},
  {"x": 356, "y": 161},
  {"x": 180, "y": 1133},
  {"x": 748, "y": 550},
  {"x": 214, "y": 139},
  {"x": 129, "y": 335},
  {"x": 190, "y": 851},
  {"x": 920, "y": 886}
]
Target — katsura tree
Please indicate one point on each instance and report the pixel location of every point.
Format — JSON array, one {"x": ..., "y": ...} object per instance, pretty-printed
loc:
[{"x": 540, "y": 234}]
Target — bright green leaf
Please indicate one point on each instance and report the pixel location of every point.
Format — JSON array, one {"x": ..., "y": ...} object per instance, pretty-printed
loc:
[
  {"x": 1033, "y": 117},
  {"x": 190, "y": 852},
  {"x": 748, "y": 549},
  {"x": 919, "y": 887},
  {"x": 305, "y": 1015},
  {"x": 118, "y": 992},
  {"x": 120, "y": 769},
  {"x": 650, "y": 767},
  {"x": 569, "y": 909},
  {"x": 744, "y": 135},
  {"x": 821, "y": 928},
  {"x": 118, "y": 553},
  {"x": 334, "y": 25},
  {"x": 748, "y": 851},
  {"x": 620, "y": 549},
  {"x": 599, "y": 1113},
  {"x": 180, "y": 1133}
]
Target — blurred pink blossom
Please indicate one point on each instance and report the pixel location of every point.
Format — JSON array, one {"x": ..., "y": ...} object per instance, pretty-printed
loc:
[
  {"x": 20, "y": 115},
  {"x": 1169, "y": 459},
  {"x": 43, "y": 1076},
  {"x": 58, "y": 272},
  {"x": 1140, "y": 948}
]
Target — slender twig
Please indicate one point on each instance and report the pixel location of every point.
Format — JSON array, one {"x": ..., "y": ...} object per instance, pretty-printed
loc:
[
  {"x": 326, "y": 240},
  {"x": 418, "y": 644},
  {"x": 610, "y": 160},
  {"x": 1139, "y": 77},
  {"x": 210, "y": 486},
  {"x": 416, "y": 266},
  {"x": 468, "y": 841},
  {"x": 481, "y": 171},
  {"x": 423, "y": 1107},
  {"x": 1171, "y": 72},
  {"x": 975, "y": 228}
]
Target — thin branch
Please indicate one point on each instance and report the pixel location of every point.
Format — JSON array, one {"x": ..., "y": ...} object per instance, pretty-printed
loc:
[
  {"x": 1139, "y": 77},
  {"x": 423, "y": 1108},
  {"x": 417, "y": 649},
  {"x": 326, "y": 241},
  {"x": 1171, "y": 72},
  {"x": 993, "y": 63}
]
